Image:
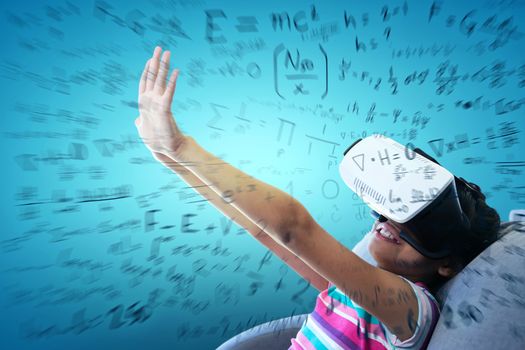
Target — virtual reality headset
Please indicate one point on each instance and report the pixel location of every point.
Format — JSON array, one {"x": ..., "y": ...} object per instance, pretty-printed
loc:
[{"x": 412, "y": 190}]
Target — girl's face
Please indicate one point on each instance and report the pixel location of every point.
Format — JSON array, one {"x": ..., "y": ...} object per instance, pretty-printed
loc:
[{"x": 400, "y": 257}]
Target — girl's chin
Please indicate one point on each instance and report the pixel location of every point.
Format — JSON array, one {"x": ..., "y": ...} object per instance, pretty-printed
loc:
[{"x": 378, "y": 252}]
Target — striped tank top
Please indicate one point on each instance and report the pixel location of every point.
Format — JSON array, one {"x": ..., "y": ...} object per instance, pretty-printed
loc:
[{"x": 337, "y": 322}]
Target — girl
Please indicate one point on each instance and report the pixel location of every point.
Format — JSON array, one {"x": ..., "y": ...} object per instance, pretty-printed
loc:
[{"x": 360, "y": 306}]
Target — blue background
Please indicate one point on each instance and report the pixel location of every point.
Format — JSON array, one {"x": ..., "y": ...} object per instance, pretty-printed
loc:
[{"x": 99, "y": 274}]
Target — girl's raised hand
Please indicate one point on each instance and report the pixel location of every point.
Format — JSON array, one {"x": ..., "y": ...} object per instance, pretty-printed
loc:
[{"x": 155, "y": 124}]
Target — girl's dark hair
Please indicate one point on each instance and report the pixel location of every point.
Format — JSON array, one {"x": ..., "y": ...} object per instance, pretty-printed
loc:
[
  {"x": 484, "y": 221},
  {"x": 484, "y": 224}
]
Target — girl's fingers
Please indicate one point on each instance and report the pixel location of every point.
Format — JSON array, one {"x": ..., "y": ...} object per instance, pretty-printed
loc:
[
  {"x": 142, "y": 84},
  {"x": 153, "y": 69},
  {"x": 160, "y": 83},
  {"x": 170, "y": 89}
]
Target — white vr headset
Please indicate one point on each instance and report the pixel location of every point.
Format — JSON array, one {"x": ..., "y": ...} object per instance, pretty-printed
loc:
[{"x": 413, "y": 190}]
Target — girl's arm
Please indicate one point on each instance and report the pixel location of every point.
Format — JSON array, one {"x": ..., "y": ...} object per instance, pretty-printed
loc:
[
  {"x": 263, "y": 204},
  {"x": 278, "y": 249},
  {"x": 241, "y": 196},
  {"x": 383, "y": 294},
  {"x": 281, "y": 216}
]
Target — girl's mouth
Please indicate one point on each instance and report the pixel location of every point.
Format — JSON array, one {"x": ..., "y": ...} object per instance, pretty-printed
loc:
[{"x": 384, "y": 235}]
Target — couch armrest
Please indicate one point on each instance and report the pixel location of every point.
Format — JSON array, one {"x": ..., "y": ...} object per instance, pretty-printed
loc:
[{"x": 276, "y": 334}]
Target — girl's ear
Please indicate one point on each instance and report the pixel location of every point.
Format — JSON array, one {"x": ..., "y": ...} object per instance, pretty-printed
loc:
[
  {"x": 448, "y": 268},
  {"x": 446, "y": 271}
]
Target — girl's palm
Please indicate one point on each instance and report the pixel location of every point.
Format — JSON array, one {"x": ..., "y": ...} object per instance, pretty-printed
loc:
[{"x": 155, "y": 124}]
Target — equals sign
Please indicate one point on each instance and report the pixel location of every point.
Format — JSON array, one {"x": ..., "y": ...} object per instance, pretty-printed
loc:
[
  {"x": 247, "y": 24},
  {"x": 473, "y": 140},
  {"x": 396, "y": 156}
]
